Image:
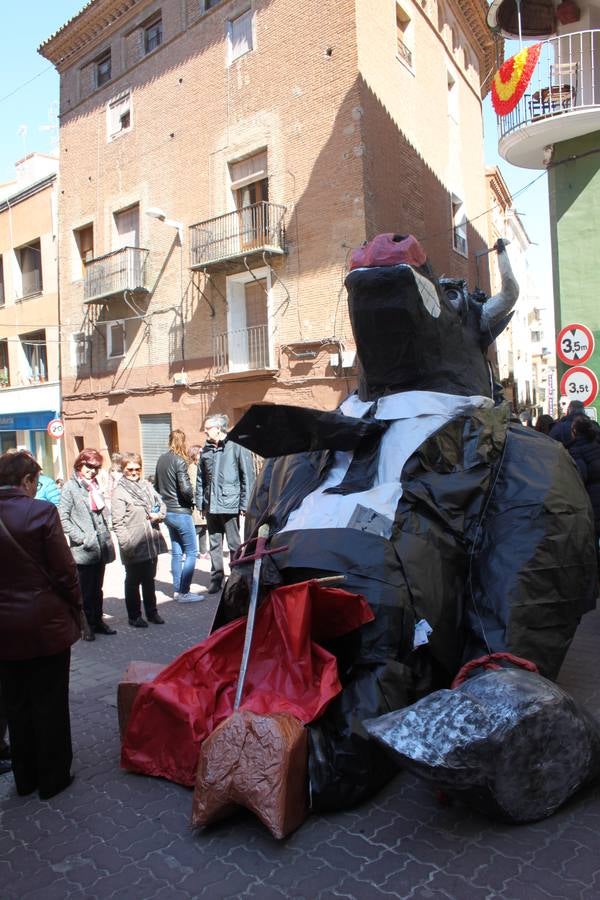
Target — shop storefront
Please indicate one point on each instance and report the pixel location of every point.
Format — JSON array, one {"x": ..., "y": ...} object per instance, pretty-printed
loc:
[{"x": 27, "y": 429}]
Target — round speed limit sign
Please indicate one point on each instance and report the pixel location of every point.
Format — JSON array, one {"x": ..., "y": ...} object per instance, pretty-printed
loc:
[
  {"x": 579, "y": 383},
  {"x": 56, "y": 428},
  {"x": 575, "y": 344}
]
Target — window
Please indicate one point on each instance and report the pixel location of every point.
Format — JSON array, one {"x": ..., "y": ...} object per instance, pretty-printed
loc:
[
  {"x": 459, "y": 226},
  {"x": 239, "y": 35},
  {"x": 403, "y": 36},
  {"x": 84, "y": 242},
  {"x": 127, "y": 225},
  {"x": 2, "y": 296},
  {"x": 118, "y": 115},
  {"x": 4, "y": 367},
  {"x": 79, "y": 350},
  {"x": 250, "y": 186},
  {"x": 36, "y": 359},
  {"x": 28, "y": 277},
  {"x": 115, "y": 339},
  {"x": 153, "y": 35},
  {"x": 103, "y": 69}
]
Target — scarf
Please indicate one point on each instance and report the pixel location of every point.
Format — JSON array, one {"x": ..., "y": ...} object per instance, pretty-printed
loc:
[
  {"x": 95, "y": 496},
  {"x": 139, "y": 492}
]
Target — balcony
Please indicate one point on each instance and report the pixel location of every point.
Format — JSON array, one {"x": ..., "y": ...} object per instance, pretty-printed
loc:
[
  {"x": 114, "y": 273},
  {"x": 562, "y": 100},
  {"x": 246, "y": 350},
  {"x": 252, "y": 230}
]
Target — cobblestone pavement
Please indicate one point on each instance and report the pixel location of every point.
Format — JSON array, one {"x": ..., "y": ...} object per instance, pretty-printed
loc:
[{"x": 118, "y": 835}]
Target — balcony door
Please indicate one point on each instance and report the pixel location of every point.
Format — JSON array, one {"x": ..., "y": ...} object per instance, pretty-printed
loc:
[
  {"x": 248, "y": 332},
  {"x": 127, "y": 225}
]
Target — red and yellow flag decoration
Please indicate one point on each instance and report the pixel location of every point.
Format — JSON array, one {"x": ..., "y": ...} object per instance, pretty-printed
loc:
[{"x": 512, "y": 78}]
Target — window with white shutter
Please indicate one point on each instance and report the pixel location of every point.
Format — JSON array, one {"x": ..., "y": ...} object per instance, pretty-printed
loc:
[
  {"x": 119, "y": 115},
  {"x": 239, "y": 36}
]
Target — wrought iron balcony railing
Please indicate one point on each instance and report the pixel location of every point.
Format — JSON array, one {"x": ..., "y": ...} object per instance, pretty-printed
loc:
[
  {"x": 116, "y": 272},
  {"x": 258, "y": 227},
  {"x": 245, "y": 350},
  {"x": 564, "y": 81}
]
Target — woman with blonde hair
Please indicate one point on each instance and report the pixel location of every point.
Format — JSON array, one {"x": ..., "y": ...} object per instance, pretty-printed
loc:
[
  {"x": 137, "y": 511},
  {"x": 173, "y": 484}
]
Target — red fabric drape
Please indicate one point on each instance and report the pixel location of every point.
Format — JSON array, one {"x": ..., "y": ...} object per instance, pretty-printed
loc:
[{"x": 288, "y": 672}]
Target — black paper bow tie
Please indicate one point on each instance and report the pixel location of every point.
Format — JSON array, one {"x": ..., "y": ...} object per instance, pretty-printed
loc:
[{"x": 273, "y": 430}]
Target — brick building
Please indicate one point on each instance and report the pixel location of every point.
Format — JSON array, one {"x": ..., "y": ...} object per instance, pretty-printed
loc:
[
  {"x": 29, "y": 321},
  {"x": 219, "y": 160}
]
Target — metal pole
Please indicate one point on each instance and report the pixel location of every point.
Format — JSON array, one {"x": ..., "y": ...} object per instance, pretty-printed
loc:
[{"x": 518, "y": 4}]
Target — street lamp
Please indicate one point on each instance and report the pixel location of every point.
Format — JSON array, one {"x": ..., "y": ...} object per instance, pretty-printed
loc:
[{"x": 156, "y": 213}]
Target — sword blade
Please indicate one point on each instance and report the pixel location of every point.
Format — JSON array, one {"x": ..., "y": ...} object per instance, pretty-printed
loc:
[{"x": 262, "y": 533}]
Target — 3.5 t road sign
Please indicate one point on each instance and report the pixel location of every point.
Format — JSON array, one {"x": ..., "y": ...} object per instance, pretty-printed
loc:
[{"x": 579, "y": 383}]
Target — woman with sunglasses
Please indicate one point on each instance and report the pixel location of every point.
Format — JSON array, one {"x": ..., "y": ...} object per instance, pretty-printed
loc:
[
  {"x": 84, "y": 520},
  {"x": 137, "y": 511}
]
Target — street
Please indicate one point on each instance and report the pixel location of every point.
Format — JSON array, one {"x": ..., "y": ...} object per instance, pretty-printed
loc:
[{"x": 119, "y": 835}]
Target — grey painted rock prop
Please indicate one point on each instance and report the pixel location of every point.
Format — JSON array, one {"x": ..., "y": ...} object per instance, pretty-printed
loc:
[{"x": 509, "y": 743}]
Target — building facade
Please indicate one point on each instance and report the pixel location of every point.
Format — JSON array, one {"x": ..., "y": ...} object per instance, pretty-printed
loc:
[
  {"x": 526, "y": 362},
  {"x": 219, "y": 161},
  {"x": 29, "y": 314},
  {"x": 556, "y": 125}
]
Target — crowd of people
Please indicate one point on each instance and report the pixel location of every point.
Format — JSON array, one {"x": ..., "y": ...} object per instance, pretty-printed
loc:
[
  {"x": 580, "y": 435},
  {"x": 57, "y": 552}
]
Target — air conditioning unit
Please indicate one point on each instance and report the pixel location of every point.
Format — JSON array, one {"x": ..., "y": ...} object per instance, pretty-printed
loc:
[
  {"x": 347, "y": 361},
  {"x": 180, "y": 378}
]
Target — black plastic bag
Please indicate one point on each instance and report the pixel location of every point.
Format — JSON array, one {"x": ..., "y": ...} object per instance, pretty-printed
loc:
[{"x": 510, "y": 743}]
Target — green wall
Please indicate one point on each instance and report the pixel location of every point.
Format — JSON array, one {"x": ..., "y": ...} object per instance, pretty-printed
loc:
[{"x": 574, "y": 194}]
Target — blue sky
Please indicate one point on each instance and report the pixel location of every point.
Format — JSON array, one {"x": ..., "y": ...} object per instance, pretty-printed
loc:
[
  {"x": 29, "y": 102},
  {"x": 35, "y": 104}
]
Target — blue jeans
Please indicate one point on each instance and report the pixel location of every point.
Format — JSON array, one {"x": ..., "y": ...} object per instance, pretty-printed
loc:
[{"x": 184, "y": 543}]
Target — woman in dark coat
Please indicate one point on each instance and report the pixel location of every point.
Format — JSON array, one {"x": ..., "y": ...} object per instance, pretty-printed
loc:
[
  {"x": 40, "y": 609},
  {"x": 137, "y": 511},
  {"x": 84, "y": 520},
  {"x": 585, "y": 450}
]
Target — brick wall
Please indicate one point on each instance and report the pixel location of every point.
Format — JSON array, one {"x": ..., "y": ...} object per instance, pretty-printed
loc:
[{"x": 354, "y": 144}]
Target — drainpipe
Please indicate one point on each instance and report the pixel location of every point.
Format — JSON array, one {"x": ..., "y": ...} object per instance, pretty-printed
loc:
[{"x": 62, "y": 462}]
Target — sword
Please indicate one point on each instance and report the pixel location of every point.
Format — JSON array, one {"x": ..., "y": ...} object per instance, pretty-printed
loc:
[
  {"x": 257, "y": 556},
  {"x": 259, "y": 553}
]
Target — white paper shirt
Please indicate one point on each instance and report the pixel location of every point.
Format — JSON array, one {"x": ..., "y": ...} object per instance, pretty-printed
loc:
[{"x": 415, "y": 415}]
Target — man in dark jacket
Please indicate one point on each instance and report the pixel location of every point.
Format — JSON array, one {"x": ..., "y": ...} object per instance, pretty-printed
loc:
[
  {"x": 223, "y": 486},
  {"x": 562, "y": 430}
]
